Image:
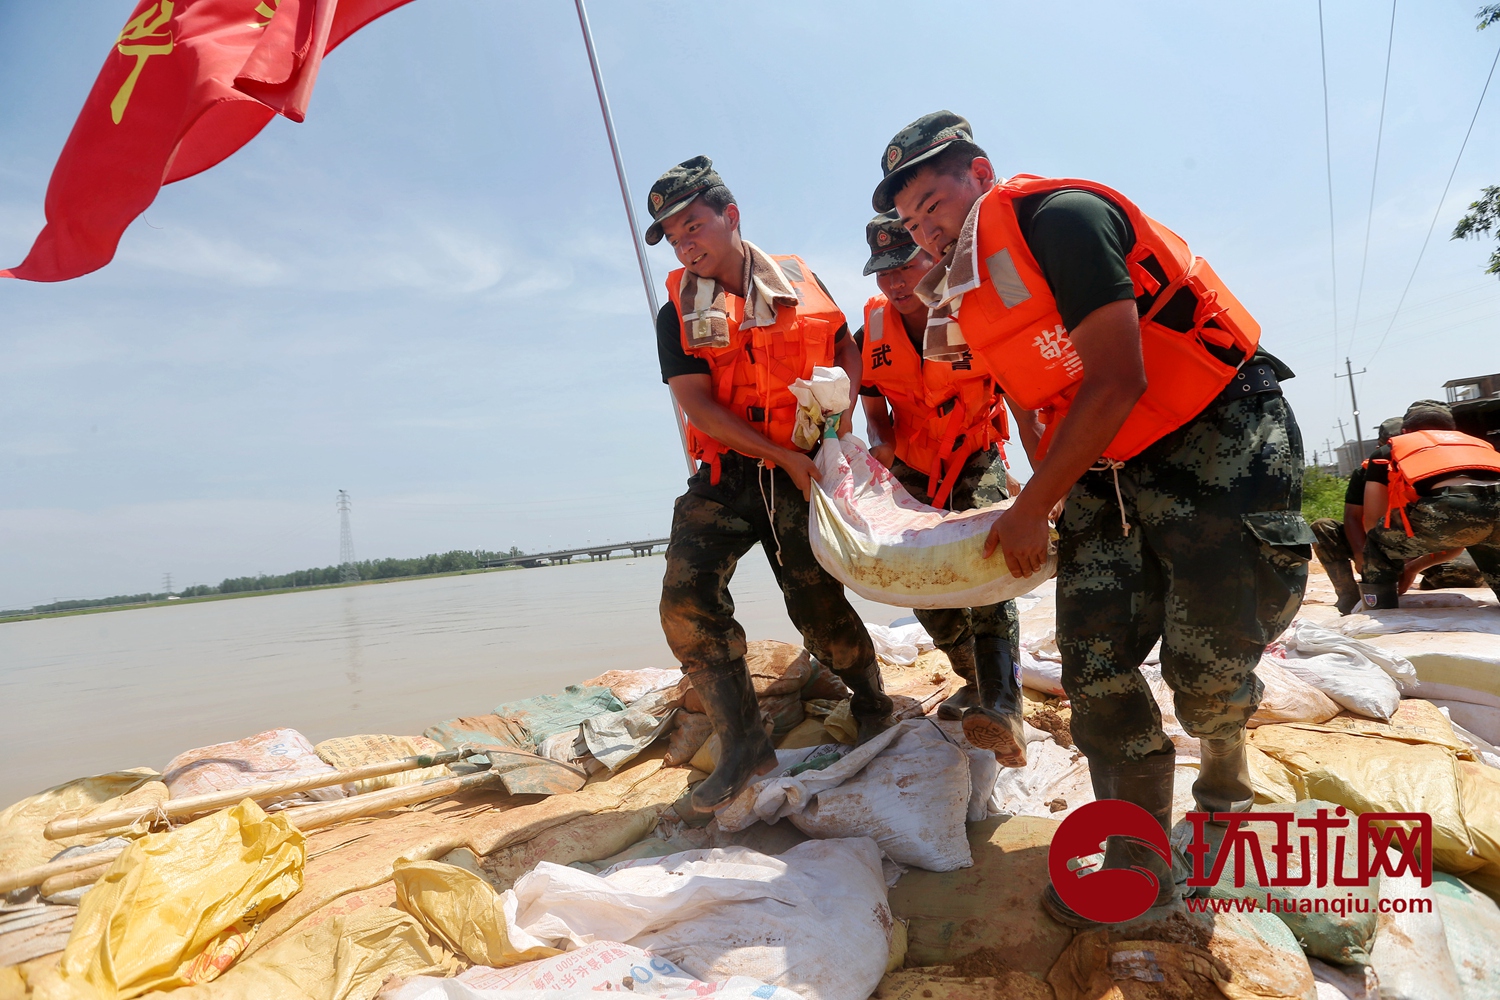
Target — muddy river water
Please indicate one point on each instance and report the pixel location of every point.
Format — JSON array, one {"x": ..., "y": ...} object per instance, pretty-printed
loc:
[{"x": 96, "y": 692}]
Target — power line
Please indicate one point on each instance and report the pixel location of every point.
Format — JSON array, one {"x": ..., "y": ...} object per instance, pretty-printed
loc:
[
  {"x": 1375, "y": 173},
  {"x": 1333, "y": 266},
  {"x": 1442, "y": 198}
]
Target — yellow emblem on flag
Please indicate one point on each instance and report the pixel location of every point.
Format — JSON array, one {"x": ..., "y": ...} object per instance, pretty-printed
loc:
[{"x": 143, "y": 37}]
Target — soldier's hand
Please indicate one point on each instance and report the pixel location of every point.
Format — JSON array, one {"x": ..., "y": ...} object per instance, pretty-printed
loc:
[
  {"x": 801, "y": 469},
  {"x": 846, "y": 423},
  {"x": 884, "y": 454},
  {"x": 1025, "y": 539}
]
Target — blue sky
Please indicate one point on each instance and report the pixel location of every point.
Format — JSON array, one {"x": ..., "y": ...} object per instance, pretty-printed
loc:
[{"x": 426, "y": 293}]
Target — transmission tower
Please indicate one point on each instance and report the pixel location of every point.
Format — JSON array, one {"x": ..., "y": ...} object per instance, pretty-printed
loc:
[
  {"x": 166, "y": 582},
  {"x": 346, "y": 541}
]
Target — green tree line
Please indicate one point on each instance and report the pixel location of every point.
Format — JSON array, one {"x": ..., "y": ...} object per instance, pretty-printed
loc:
[{"x": 369, "y": 569}]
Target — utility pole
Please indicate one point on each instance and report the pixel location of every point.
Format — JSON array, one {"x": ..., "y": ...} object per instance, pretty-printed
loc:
[
  {"x": 166, "y": 582},
  {"x": 1349, "y": 374},
  {"x": 348, "y": 574}
]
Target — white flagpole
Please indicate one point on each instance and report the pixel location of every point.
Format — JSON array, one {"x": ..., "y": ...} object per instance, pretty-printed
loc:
[{"x": 635, "y": 230}]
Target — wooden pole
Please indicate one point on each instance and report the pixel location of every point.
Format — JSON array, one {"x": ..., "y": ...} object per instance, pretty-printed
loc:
[
  {"x": 60, "y": 829},
  {"x": 304, "y": 819}
]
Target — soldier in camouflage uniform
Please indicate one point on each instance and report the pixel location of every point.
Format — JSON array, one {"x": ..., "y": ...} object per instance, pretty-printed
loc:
[
  {"x": 734, "y": 314},
  {"x": 1194, "y": 537},
  {"x": 1456, "y": 510},
  {"x": 982, "y": 644}
]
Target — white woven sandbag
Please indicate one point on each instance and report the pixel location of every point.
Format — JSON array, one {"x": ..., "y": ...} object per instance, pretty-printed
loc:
[{"x": 874, "y": 538}]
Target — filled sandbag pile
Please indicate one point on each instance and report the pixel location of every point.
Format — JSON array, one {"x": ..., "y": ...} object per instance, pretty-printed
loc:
[{"x": 908, "y": 868}]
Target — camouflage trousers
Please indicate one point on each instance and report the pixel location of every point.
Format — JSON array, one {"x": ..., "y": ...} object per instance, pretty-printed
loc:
[
  {"x": 1455, "y": 517},
  {"x": 713, "y": 525},
  {"x": 1214, "y": 565},
  {"x": 1334, "y": 552},
  {"x": 980, "y": 484}
]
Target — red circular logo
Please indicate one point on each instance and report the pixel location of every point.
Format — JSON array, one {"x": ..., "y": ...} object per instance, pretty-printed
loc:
[
  {"x": 656, "y": 200},
  {"x": 882, "y": 237},
  {"x": 1108, "y": 895},
  {"x": 891, "y": 156}
]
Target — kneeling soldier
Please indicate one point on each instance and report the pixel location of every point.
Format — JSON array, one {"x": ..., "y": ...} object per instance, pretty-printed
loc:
[
  {"x": 1430, "y": 493},
  {"x": 938, "y": 426}
]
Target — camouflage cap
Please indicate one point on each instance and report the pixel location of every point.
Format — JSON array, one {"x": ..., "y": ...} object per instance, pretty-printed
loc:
[
  {"x": 676, "y": 189},
  {"x": 1389, "y": 428},
  {"x": 918, "y": 142},
  {"x": 1427, "y": 415},
  {"x": 890, "y": 244}
]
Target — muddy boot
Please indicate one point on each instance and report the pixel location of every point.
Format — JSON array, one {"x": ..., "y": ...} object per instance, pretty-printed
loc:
[
  {"x": 869, "y": 703},
  {"x": 1148, "y": 784},
  {"x": 994, "y": 722},
  {"x": 962, "y": 660},
  {"x": 1379, "y": 596},
  {"x": 1223, "y": 783},
  {"x": 744, "y": 748}
]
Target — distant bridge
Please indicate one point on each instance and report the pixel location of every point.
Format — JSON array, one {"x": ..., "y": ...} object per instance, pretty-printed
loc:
[{"x": 594, "y": 552}]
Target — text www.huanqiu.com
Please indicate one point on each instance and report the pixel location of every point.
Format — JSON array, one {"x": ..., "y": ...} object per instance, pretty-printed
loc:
[{"x": 1339, "y": 907}]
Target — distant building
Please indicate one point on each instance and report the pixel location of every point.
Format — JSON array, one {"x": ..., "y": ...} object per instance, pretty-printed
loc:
[
  {"x": 1461, "y": 390},
  {"x": 1350, "y": 457}
]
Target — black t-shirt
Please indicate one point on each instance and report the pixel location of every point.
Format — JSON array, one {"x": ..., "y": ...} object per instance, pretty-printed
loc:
[
  {"x": 1079, "y": 240},
  {"x": 1355, "y": 493},
  {"x": 675, "y": 361},
  {"x": 1380, "y": 473}
]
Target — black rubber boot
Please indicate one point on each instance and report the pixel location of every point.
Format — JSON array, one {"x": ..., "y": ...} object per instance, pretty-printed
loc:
[
  {"x": 1345, "y": 587},
  {"x": 1148, "y": 784},
  {"x": 1379, "y": 596},
  {"x": 869, "y": 703},
  {"x": 995, "y": 722},
  {"x": 961, "y": 658},
  {"x": 744, "y": 748},
  {"x": 1223, "y": 783}
]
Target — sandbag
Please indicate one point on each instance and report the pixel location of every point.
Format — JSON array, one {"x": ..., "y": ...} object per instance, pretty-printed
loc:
[
  {"x": 1355, "y": 674},
  {"x": 632, "y": 685},
  {"x": 1287, "y": 697},
  {"x": 899, "y": 644},
  {"x": 461, "y": 910},
  {"x": 349, "y": 957},
  {"x": 22, "y": 844},
  {"x": 274, "y": 755},
  {"x": 601, "y": 965},
  {"x": 177, "y": 908},
  {"x": 1094, "y": 967},
  {"x": 1397, "y": 772},
  {"x": 549, "y": 714},
  {"x": 690, "y": 730},
  {"x": 1344, "y": 932},
  {"x": 872, "y": 536},
  {"x": 813, "y": 920},
  {"x": 344, "y": 752},
  {"x": 909, "y": 788},
  {"x": 1411, "y": 957},
  {"x": 1471, "y": 926},
  {"x": 481, "y": 731}
]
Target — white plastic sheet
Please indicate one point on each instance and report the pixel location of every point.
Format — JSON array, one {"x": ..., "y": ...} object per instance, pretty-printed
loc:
[
  {"x": 874, "y": 538},
  {"x": 900, "y": 644}
]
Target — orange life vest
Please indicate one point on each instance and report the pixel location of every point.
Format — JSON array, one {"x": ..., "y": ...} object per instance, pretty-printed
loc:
[
  {"x": 1423, "y": 455},
  {"x": 944, "y": 411},
  {"x": 1012, "y": 324},
  {"x": 752, "y": 375}
]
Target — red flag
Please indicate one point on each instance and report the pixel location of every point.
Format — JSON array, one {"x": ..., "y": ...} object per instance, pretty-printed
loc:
[{"x": 187, "y": 83}]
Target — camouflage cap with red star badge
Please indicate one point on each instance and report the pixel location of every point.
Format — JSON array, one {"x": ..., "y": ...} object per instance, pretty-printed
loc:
[
  {"x": 676, "y": 189},
  {"x": 891, "y": 245},
  {"x": 912, "y": 146}
]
